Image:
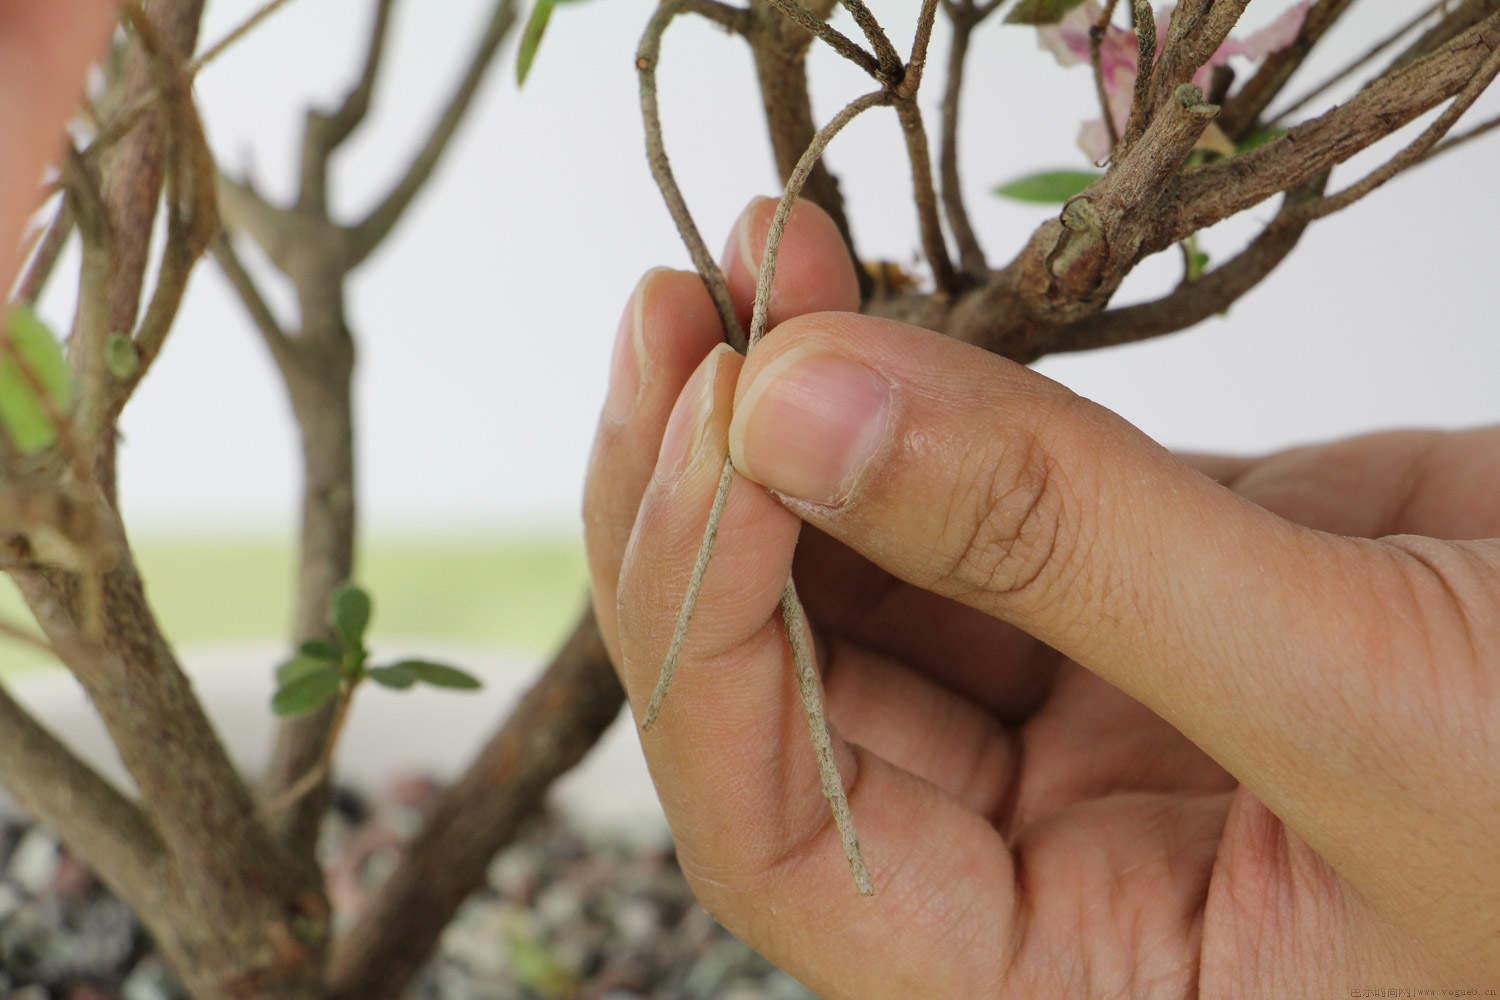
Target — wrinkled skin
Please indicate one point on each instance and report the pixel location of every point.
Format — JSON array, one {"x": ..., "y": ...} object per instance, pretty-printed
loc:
[{"x": 1113, "y": 722}]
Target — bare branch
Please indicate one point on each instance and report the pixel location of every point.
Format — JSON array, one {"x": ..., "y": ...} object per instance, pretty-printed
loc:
[
  {"x": 646, "y": 59},
  {"x": 1352, "y": 67},
  {"x": 885, "y": 52},
  {"x": 726, "y": 16},
  {"x": 44, "y": 259},
  {"x": 1198, "y": 28},
  {"x": 325, "y": 133},
  {"x": 90, "y": 814},
  {"x": 277, "y": 342},
  {"x": 1413, "y": 153},
  {"x": 934, "y": 247},
  {"x": 1244, "y": 109},
  {"x": 1209, "y": 194},
  {"x": 366, "y": 236},
  {"x": 1096, "y": 46},
  {"x": 237, "y": 35},
  {"x": 780, "y": 53},
  {"x": 1466, "y": 136},
  {"x": 797, "y": 12},
  {"x": 965, "y": 18},
  {"x": 1195, "y": 301},
  {"x": 1458, "y": 16}
]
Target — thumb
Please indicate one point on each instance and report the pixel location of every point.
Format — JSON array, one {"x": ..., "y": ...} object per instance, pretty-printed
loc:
[{"x": 980, "y": 480}]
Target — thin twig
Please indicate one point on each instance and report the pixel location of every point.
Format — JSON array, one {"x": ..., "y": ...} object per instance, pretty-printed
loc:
[
  {"x": 964, "y": 19},
  {"x": 890, "y": 59},
  {"x": 1344, "y": 72},
  {"x": 797, "y": 12},
  {"x": 934, "y": 247},
  {"x": 366, "y": 236},
  {"x": 1096, "y": 45},
  {"x": 647, "y": 56},
  {"x": 277, "y": 342},
  {"x": 244, "y": 28},
  {"x": 919, "y": 45},
  {"x": 315, "y": 774},
  {"x": 1413, "y": 153},
  {"x": 46, "y": 255},
  {"x": 809, "y": 685},
  {"x": 1469, "y": 135},
  {"x": 790, "y": 606},
  {"x": 726, "y": 16}
]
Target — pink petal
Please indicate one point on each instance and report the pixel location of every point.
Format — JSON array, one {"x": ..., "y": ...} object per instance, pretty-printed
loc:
[
  {"x": 1272, "y": 38},
  {"x": 1093, "y": 139},
  {"x": 1068, "y": 39}
]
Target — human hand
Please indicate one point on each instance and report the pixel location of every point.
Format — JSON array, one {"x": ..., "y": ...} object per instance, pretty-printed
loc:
[
  {"x": 1108, "y": 726},
  {"x": 45, "y": 48}
]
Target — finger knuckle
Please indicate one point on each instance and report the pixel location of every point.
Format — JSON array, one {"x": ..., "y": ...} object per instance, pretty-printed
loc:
[{"x": 1004, "y": 532}]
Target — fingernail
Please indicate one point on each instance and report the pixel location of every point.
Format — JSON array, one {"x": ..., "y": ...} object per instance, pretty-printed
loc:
[
  {"x": 809, "y": 425},
  {"x": 688, "y": 424},
  {"x": 627, "y": 365},
  {"x": 745, "y": 237}
]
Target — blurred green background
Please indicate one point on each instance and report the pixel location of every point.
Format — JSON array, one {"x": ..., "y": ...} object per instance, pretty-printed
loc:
[{"x": 519, "y": 593}]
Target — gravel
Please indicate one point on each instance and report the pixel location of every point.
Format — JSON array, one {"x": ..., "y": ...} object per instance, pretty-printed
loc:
[{"x": 562, "y": 915}]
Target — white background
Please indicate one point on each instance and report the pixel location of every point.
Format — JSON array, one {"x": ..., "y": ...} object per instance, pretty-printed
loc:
[{"x": 485, "y": 325}]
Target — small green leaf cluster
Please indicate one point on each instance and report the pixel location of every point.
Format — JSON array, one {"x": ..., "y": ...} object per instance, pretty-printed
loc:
[{"x": 323, "y": 669}]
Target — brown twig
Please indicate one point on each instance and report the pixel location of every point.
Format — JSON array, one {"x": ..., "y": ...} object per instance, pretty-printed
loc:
[
  {"x": 1096, "y": 46},
  {"x": 647, "y": 56},
  {"x": 1353, "y": 66},
  {"x": 368, "y": 235},
  {"x": 46, "y": 255},
  {"x": 965, "y": 17},
  {"x": 1145, "y": 33},
  {"x": 238, "y": 34},
  {"x": 1466, "y": 136},
  {"x": 318, "y": 773},
  {"x": 1412, "y": 154},
  {"x": 797, "y": 12},
  {"x": 885, "y": 52},
  {"x": 790, "y": 605},
  {"x": 1249, "y": 102},
  {"x": 736, "y": 20}
]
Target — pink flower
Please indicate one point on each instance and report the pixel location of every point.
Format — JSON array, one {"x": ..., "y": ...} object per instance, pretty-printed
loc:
[{"x": 1068, "y": 41}]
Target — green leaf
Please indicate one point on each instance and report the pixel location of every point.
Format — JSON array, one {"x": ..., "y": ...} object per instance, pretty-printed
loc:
[
  {"x": 319, "y": 650},
  {"x": 1197, "y": 265},
  {"x": 396, "y": 677},
  {"x": 351, "y": 615},
  {"x": 1048, "y": 187},
  {"x": 1040, "y": 11},
  {"x": 22, "y": 411},
  {"x": 308, "y": 692},
  {"x": 1259, "y": 138},
  {"x": 121, "y": 357},
  {"x": 440, "y": 675},
  {"x": 300, "y": 666},
  {"x": 536, "y": 27}
]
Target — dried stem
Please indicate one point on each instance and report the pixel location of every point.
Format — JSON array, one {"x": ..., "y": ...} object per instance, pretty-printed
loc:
[{"x": 1468, "y": 135}]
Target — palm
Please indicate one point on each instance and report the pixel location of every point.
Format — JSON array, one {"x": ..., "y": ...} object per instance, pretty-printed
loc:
[{"x": 1147, "y": 869}]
